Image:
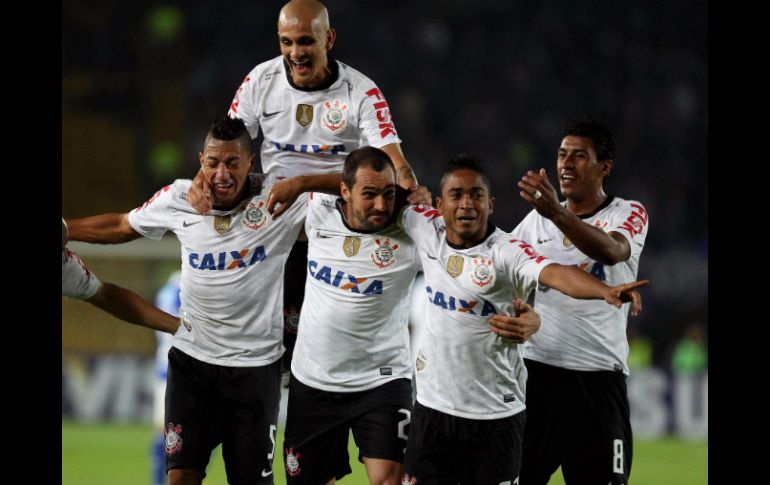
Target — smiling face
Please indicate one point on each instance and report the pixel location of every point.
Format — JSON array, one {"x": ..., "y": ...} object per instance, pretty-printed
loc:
[
  {"x": 369, "y": 203},
  {"x": 580, "y": 174},
  {"x": 305, "y": 38},
  {"x": 226, "y": 165},
  {"x": 466, "y": 205}
]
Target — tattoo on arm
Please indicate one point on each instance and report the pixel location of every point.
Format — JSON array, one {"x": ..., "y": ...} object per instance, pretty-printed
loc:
[{"x": 406, "y": 173}]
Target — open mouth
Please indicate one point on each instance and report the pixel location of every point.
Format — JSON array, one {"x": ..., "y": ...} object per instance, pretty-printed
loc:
[
  {"x": 223, "y": 187},
  {"x": 301, "y": 67}
]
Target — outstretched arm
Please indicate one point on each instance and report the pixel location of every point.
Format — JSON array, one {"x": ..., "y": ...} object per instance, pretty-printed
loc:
[
  {"x": 130, "y": 307},
  {"x": 105, "y": 229},
  {"x": 284, "y": 192},
  {"x": 607, "y": 248},
  {"x": 578, "y": 284}
]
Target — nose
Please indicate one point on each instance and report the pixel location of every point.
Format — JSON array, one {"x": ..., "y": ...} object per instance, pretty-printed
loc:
[
  {"x": 380, "y": 204},
  {"x": 221, "y": 172},
  {"x": 465, "y": 201},
  {"x": 568, "y": 161},
  {"x": 296, "y": 52}
]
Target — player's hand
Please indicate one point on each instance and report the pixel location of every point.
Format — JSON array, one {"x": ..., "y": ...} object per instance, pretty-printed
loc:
[
  {"x": 199, "y": 194},
  {"x": 518, "y": 328},
  {"x": 617, "y": 295},
  {"x": 419, "y": 194},
  {"x": 283, "y": 194},
  {"x": 534, "y": 183}
]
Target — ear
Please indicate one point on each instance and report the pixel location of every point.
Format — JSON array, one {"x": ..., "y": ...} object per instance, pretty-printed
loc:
[
  {"x": 491, "y": 205},
  {"x": 200, "y": 157},
  {"x": 344, "y": 191},
  {"x": 331, "y": 36},
  {"x": 439, "y": 203},
  {"x": 607, "y": 167},
  {"x": 252, "y": 159}
]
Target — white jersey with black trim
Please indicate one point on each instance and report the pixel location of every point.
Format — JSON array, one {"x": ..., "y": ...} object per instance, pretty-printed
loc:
[
  {"x": 232, "y": 272},
  {"x": 354, "y": 331},
  {"x": 463, "y": 368},
  {"x": 585, "y": 335},
  {"x": 310, "y": 132},
  {"x": 76, "y": 279}
]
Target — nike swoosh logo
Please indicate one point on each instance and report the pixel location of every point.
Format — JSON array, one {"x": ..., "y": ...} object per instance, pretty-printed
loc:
[
  {"x": 266, "y": 473},
  {"x": 541, "y": 241},
  {"x": 186, "y": 224},
  {"x": 323, "y": 236},
  {"x": 268, "y": 115},
  {"x": 431, "y": 256}
]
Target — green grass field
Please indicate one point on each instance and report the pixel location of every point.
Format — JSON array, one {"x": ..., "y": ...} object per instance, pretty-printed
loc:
[{"x": 108, "y": 454}]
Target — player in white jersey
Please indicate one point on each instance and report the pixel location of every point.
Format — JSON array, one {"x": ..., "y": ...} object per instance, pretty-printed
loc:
[
  {"x": 312, "y": 111},
  {"x": 351, "y": 368},
  {"x": 77, "y": 281},
  {"x": 167, "y": 300},
  {"x": 579, "y": 415},
  {"x": 467, "y": 423},
  {"x": 224, "y": 365}
]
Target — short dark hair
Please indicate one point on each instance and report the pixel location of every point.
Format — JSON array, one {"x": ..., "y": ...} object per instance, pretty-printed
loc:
[
  {"x": 227, "y": 129},
  {"x": 599, "y": 133},
  {"x": 464, "y": 161},
  {"x": 371, "y": 157}
]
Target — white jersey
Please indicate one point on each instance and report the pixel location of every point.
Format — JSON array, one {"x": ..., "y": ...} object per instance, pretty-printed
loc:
[
  {"x": 310, "y": 132},
  {"x": 76, "y": 280},
  {"x": 463, "y": 368},
  {"x": 167, "y": 300},
  {"x": 354, "y": 320},
  {"x": 584, "y": 335},
  {"x": 232, "y": 272}
]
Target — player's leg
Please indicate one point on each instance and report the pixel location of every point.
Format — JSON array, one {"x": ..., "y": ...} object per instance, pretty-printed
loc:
[
  {"x": 294, "y": 276},
  {"x": 250, "y": 405},
  {"x": 158, "y": 451},
  {"x": 191, "y": 417},
  {"x": 492, "y": 450},
  {"x": 380, "y": 429},
  {"x": 541, "y": 449},
  {"x": 431, "y": 456},
  {"x": 600, "y": 447},
  {"x": 315, "y": 443}
]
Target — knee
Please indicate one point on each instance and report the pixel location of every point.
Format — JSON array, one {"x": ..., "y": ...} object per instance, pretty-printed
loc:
[{"x": 185, "y": 476}]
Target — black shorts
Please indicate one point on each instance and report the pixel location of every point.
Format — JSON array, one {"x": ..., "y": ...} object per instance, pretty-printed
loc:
[
  {"x": 209, "y": 404},
  {"x": 449, "y": 450},
  {"x": 318, "y": 423},
  {"x": 578, "y": 420}
]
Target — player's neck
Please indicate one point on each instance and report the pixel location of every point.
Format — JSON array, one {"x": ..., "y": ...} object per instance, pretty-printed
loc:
[{"x": 586, "y": 205}]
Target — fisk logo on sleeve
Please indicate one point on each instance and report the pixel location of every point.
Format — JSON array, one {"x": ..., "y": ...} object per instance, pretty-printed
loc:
[
  {"x": 383, "y": 113},
  {"x": 635, "y": 222}
]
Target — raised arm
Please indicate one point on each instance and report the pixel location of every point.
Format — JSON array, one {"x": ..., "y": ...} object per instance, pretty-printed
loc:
[
  {"x": 284, "y": 192},
  {"x": 130, "y": 307},
  {"x": 578, "y": 284},
  {"x": 607, "y": 248},
  {"x": 105, "y": 229}
]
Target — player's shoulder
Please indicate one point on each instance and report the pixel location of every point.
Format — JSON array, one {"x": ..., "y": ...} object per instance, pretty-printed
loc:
[
  {"x": 265, "y": 71},
  {"x": 619, "y": 203},
  {"x": 324, "y": 202},
  {"x": 356, "y": 78}
]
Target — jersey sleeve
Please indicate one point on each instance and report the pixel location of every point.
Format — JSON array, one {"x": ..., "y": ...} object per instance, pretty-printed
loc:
[
  {"x": 522, "y": 265},
  {"x": 76, "y": 279},
  {"x": 244, "y": 104},
  {"x": 418, "y": 222},
  {"x": 525, "y": 230},
  {"x": 153, "y": 218},
  {"x": 631, "y": 220},
  {"x": 375, "y": 122}
]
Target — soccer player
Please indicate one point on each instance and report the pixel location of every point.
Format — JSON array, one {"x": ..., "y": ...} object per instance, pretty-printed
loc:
[
  {"x": 80, "y": 283},
  {"x": 313, "y": 111},
  {"x": 224, "y": 366},
  {"x": 467, "y": 423},
  {"x": 578, "y": 414}
]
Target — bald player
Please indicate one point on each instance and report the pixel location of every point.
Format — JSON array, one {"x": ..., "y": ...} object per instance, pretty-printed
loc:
[{"x": 313, "y": 111}]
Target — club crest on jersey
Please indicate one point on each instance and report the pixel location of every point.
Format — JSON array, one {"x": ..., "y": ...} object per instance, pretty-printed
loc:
[
  {"x": 304, "y": 115},
  {"x": 254, "y": 216},
  {"x": 173, "y": 438},
  {"x": 350, "y": 246},
  {"x": 334, "y": 119},
  {"x": 292, "y": 462},
  {"x": 482, "y": 273},
  {"x": 385, "y": 254},
  {"x": 222, "y": 223},
  {"x": 455, "y": 266}
]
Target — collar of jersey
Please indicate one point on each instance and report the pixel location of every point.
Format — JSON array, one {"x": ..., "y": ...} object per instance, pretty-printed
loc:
[
  {"x": 333, "y": 67},
  {"x": 247, "y": 194},
  {"x": 601, "y": 206}
]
